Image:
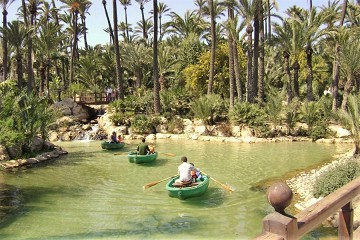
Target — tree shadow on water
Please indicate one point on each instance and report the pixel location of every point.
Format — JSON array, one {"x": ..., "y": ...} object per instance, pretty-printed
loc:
[{"x": 14, "y": 202}]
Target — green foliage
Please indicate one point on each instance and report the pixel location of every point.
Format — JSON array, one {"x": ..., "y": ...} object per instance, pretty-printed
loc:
[
  {"x": 75, "y": 88},
  {"x": 206, "y": 106},
  {"x": 291, "y": 114},
  {"x": 309, "y": 113},
  {"x": 335, "y": 178},
  {"x": 176, "y": 125},
  {"x": 197, "y": 75},
  {"x": 23, "y": 117},
  {"x": 318, "y": 132},
  {"x": 175, "y": 102},
  {"x": 351, "y": 119},
  {"x": 245, "y": 113},
  {"x": 144, "y": 124},
  {"x": 273, "y": 109}
]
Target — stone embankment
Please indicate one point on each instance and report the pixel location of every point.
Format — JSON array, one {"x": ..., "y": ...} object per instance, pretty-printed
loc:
[
  {"x": 303, "y": 185},
  {"x": 55, "y": 153}
]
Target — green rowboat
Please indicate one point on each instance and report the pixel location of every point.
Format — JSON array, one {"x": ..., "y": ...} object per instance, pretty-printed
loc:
[
  {"x": 112, "y": 146},
  {"x": 194, "y": 190},
  {"x": 136, "y": 158}
]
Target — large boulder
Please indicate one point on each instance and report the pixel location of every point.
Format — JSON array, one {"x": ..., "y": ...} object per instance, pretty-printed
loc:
[{"x": 78, "y": 112}]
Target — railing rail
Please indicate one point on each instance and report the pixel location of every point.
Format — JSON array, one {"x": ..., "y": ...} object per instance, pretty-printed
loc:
[
  {"x": 279, "y": 225},
  {"x": 98, "y": 98}
]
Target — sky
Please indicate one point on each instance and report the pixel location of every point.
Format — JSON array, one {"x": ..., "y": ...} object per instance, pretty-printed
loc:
[{"x": 96, "y": 21}]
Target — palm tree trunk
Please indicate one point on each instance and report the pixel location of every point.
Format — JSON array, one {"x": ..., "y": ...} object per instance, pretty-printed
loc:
[
  {"x": 30, "y": 72},
  {"x": 19, "y": 69},
  {"x": 336, "y": 66},
  {"x": 287, "y": 70},
  {"x": 269, "y": 20},
  {"x": 5, "y": 47},
  {"x": 255, "y": 74},
  {"x": 74, "y": 45},
  {"x": 157, "y": 107},
  {"x": 143, "y": 21},
  {"x": 120, "y": 85},
  {"x": 309, "y": 79},
  {"x": 126, "y": 24},
  {"x": 231, "y": 64},
  {"x": 296, "y": 68},
  {"x": 108, "y": 20},
  {"x": 213, "y": 46},
  {"x": 83, "y": 21},
  {"x": 249, "y": 90},
  {"x": 261, "y": 94},
  {"x": 347, "y": 89}
]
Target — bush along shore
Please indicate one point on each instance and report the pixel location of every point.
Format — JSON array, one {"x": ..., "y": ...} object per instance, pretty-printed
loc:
[{"x": 307, "y": 185}]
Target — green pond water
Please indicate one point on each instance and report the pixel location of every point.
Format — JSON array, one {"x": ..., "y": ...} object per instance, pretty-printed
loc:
[{"x": 93, "y": 194}]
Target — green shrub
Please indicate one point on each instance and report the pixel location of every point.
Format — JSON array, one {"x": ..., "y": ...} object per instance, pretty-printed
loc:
[
  {"x": 245, "y": 113},
  {"x": 176, "y": 125},
  {"x": 336, "y": 178},
  {"x": 144, "y": 124},
  {"x": 318, "y": 132}
]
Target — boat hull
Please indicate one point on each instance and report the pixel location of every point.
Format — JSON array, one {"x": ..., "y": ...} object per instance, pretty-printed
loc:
[
  {"x": 188, "y": 192},
  {"x": 135, "y": 158},
  {"x": 112, "y": 146}
]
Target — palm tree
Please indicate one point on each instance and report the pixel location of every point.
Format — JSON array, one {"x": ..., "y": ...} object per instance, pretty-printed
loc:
[
  {"x": 183, "y": 27},
  {"x": 83, "y": 10},
  {"x": 46, "y": 45},
  {"x": 141, "y": 26},
  {"x": 213, "y": 46},
  {"x": 136, "y": 59},
  {"x": 108, "y": 20},
  {"x": 261, "y": 94},
  {"x": 155, "y": 61},
  {"x": 119, "y": 82},
  {"x": 247, "y": 9},
  {"x": 126, "y": 3},
  {"x": 16, "y": 34},
  {"x": 73, "y": 6},
  {"x": 5, "y": 4},
  {"x": 231, "y": 57},
  {"x": 162, "y": 9},
  {"x": 167, "y": 61},
  {"x": 350, "y": 116},
  {"x": 336, "y": 67},
  {"x": 283, "y": 37},
  {"x": 349, "y": 57},
  {"x": 142, "y": 3}
]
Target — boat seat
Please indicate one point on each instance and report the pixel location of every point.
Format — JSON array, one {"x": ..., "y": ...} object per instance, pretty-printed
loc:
[{"x": 179, "y": 185}]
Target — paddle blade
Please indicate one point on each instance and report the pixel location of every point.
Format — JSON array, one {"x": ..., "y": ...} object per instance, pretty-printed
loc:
[
  {"x": 120, "y": 153},
  {"x": 227, "y": 188},
  {"x": 169, "y": 154},
  {"x": 151, "y": 184}
]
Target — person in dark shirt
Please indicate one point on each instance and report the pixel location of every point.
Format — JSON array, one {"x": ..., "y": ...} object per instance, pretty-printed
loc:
[
  {"x": 113, "y": 138},
  {"x": 143, "y": 148}
]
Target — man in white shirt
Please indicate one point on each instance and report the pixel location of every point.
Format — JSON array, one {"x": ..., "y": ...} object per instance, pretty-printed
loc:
[{"x": 184, "y": 171}]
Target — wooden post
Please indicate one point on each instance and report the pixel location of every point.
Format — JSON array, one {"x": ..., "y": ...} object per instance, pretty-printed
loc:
[
  {"x": 345, "y": 231},
  {"x": 282, "y": 225}
]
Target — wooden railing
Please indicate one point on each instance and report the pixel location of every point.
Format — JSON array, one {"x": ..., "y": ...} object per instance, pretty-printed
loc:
[
  {"x": 279, "y": 225},
  {"x": 99, "y": 98}
]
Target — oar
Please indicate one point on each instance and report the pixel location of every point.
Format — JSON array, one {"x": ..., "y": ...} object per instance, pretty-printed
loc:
[
  {"x": 154, "y": 183},
  {"x": 121, "y": 153},
  {"x": 169, "y": 154},
  {"x": 221, "y": 184}
]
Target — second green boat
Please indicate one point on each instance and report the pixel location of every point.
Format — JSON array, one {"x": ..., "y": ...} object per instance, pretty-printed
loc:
[{"x": 136, "y": 158}]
